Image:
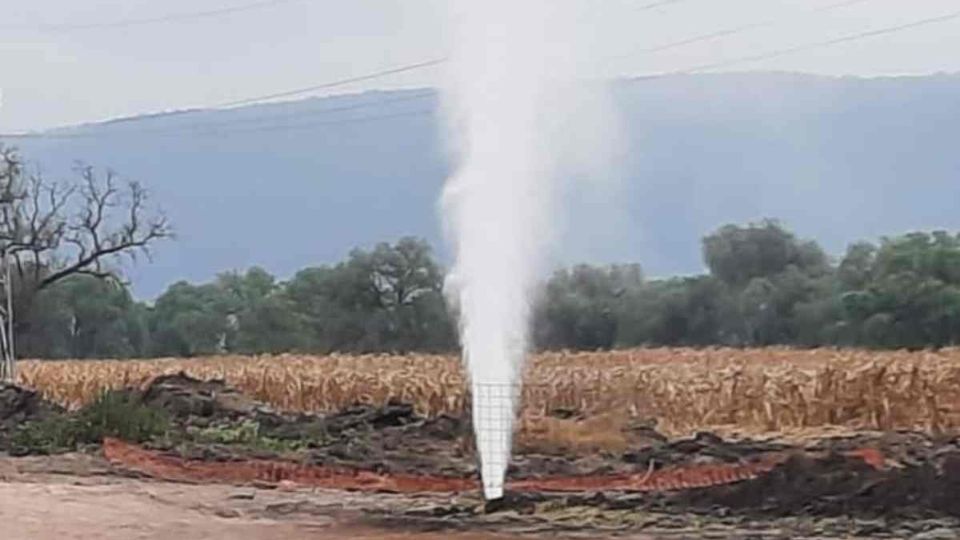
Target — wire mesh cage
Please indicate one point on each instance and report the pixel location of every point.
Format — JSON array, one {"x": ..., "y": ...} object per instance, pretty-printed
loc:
[
  {"x": 502, "y": 411},
  {"x": 494, "y": 412}
]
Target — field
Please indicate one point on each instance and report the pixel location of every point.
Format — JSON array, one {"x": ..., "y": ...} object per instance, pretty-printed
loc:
[
  {"x": 670, "y": 443},
  {"x": 683, "y": 390}
]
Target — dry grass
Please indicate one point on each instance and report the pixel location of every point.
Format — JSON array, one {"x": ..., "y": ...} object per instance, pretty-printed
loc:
[
  {"x": 558, "y": 436},
  {"x": 759, "y": 390}
]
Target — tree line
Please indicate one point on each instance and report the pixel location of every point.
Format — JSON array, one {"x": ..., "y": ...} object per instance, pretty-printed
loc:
[
  {"x": 61, "y": 295},
  {"x": 764, "y": 287}
]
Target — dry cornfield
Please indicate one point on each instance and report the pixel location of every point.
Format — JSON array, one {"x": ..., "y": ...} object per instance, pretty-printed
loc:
[{"x": 684, "y": 390}]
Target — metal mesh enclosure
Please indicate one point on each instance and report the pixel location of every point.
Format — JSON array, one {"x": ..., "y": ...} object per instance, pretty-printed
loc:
[{"x": 494, "y": 409}]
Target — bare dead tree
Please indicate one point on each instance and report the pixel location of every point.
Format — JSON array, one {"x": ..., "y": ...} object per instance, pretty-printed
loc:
[{"x": 51, "y": 230}]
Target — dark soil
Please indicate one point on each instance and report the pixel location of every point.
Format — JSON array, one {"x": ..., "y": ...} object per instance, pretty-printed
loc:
[
  {"x": 918, "y": 476},
  {"x": 828, "y": 486},
  {"x": 184, "y": 397},
  {"x": 19, "y": 405},
  {"x": 838, "y": 486},
  {"x": 921, "y": 476},
  {"x": 920, "y": 481},
  {"x": 391, "y": 438}
]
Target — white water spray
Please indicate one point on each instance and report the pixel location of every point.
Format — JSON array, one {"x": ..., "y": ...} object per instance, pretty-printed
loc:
[{"x": 521, "y": 121}]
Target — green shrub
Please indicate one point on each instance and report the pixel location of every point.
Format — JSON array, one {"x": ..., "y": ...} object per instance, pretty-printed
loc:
[
  {"x": 113, "y": 414},
  {"x": 123, "y": 416},
  {"x": 53, "y": 434}
]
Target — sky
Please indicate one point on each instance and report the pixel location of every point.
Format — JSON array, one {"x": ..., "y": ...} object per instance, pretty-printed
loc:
[{"x": 63, "y": 62}]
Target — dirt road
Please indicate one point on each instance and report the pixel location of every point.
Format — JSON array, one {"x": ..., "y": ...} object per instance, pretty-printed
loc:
[
  {"x": 65, "y": 509},
  {"x": 78, "y": 496}
]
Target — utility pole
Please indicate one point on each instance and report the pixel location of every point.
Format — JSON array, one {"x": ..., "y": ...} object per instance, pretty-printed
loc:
[
  {"x": 8, "y": 357},
  {"x": 7, "y": 354},
  {"x": 7, "y": 360}
]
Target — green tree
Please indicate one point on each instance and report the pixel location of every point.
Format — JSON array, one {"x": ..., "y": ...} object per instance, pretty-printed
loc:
[
  {"x": 737, "y": 254},
  {"x": 85, "y": 317},
  {"x": 261, "y": 318},
  {"x": 907, "y": 293},
  {"x": 191, "y": 320},
  {"x": 777, "y": 282},
  {"x": 386, "y": 299},
  {"x": 105, "y": 321},
  {"x": 580, "y": 307},
  {"x": 856, "y": 268},
  {"x": 692, "y": 311}
]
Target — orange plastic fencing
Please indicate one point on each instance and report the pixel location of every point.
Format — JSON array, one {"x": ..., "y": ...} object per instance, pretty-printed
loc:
[{"x": 157, "y": 465}]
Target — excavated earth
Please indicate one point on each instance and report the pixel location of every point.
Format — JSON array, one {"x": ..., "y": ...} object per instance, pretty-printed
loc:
[
  {"x": 18, "y": 406},
  {"x": 896, "y": 485}
]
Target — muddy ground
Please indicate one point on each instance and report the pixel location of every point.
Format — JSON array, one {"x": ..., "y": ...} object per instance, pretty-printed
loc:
[{"x": 892, "y": 485}]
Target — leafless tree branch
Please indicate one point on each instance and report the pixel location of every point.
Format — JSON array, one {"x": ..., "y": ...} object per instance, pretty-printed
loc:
[{"x": 68, "y": 229}]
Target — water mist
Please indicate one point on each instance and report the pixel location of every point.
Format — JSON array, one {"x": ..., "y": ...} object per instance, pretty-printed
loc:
[{"x": 520, "y": 121}]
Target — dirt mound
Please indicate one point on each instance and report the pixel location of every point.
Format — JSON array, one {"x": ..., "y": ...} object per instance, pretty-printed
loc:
[
  {"x": 391, "y": 448},
  {"x": 183, "y": 396},
  {"x": 390, "y": 438},
  {"x": 393, "y": 439},
  {"x": 393, "y": 414},
  {"x": 202, "y": 402},
  {"x": 19, "y": 405},
  {"x": 905, "y": 476},
  {"x": 651, "y": 451},
  {"x": 836, "y": 485},
  {"x": 702, "y": 446}
]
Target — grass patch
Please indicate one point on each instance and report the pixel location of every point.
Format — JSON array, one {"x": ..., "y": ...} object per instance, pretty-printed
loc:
[
  {"x": 123, "y": 416},
  {"x": 114, "y": 414},
  {"x": 247, "y": 433},
  {"x": 51, "y": 435}
]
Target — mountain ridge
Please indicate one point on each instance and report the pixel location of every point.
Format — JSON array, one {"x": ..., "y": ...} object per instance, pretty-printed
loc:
[{"x": 839, "y": 159}]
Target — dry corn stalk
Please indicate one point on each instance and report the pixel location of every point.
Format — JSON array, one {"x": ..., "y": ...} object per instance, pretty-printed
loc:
[{"x": 684, "y": 390}]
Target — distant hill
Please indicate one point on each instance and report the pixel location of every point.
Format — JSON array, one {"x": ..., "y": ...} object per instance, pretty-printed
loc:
[{"x": 286, "y": 185}]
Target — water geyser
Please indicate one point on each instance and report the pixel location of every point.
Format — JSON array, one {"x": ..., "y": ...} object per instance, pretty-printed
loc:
[{"x": 512, "y": 102}]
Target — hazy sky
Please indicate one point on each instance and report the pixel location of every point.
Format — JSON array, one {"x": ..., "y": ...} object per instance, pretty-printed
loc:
[{"x": 51, "y": 75}]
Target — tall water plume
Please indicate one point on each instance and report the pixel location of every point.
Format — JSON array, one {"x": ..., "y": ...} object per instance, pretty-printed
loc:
[{"x": 523, "y": 124}]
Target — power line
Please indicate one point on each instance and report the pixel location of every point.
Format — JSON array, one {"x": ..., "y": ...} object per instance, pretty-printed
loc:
[
  {"x": 333, "y": 84},
  {"x": 655, "y": 5},
  {"x": 312, "y": 88},
  {"x": 442, "y": 60},
  {"x": 204, "y": 129},
  {"x": 706, "y": 67},
  {"x": 284, "y": 93},
  {"x": 378, "y": 74},
  {"x": 436, "y": 61},
  {"x": 826, "y": 43},
  {"x": 211, "y": 13},
  {"x": 399, "y": 69},
  {"x": 213, "y": 127},
  {"x": 354, "y": 120},
  {"x": 327, "y": 110},
  {"x": 255, "y": 99},
  {"x": 173, "y": 17},
  {"x": 296, "y": 91},
  {"x": 737, "y": 30},
  {"x": 820, "y": 44}
]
